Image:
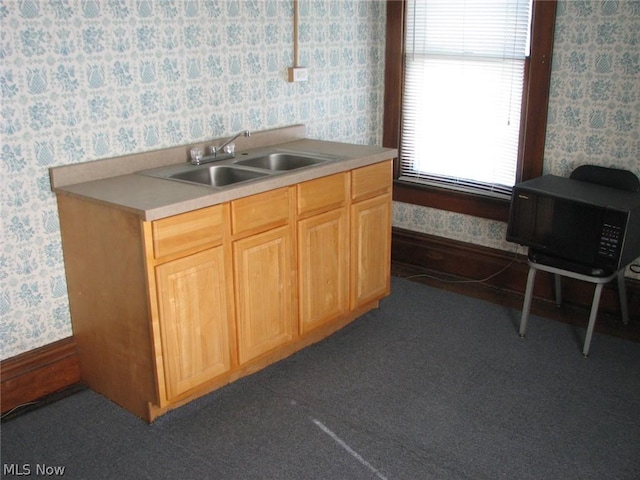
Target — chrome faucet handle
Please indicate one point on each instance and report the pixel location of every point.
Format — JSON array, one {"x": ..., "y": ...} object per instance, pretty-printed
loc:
[
  {"x": 221, "y": 152},
  {"x": 196, "y": 156}
]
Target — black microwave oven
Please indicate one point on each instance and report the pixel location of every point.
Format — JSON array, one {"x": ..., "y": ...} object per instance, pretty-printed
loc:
[{"x": 575, "y": 225}]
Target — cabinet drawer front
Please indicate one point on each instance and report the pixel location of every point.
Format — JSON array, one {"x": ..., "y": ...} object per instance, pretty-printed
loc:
[
  {"x": 371, "y": 180},
  {"x": 322, "y": 194},
  {"x": 261, "y": 211},
  {"x": 188, "y": 232}
]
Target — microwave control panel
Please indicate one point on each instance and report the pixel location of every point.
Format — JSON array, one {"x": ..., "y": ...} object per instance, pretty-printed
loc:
[
  {"x": 609, "y": 241},
  {"x": 611, "y": 235}
]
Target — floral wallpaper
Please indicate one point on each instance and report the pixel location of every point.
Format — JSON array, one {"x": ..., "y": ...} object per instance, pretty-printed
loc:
[
  {"x": 88, "y": 79},
  {"x": 594, "y": 110},
  {"x": 594, "y": 114}
]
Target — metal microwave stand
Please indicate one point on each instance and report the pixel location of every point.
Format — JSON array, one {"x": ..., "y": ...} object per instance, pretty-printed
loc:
[{"x": 558, "y": 272}]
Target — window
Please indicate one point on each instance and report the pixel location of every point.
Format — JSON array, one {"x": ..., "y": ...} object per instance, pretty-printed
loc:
[
  {"x": 469, "y": 113},
  {"x": 464, "y": 73}
]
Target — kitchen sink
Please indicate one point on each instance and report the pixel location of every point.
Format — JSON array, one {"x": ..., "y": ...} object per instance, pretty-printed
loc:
[
  {"x": 252, "y": 165},
  {"x": 217, "y": 175},
  {"x": 281, "y": 161}
]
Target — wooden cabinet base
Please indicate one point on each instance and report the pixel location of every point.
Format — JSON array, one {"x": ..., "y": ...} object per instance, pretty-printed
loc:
[
  {"x": 167, "y": 310},
  {"x": 263, "y": 361}
]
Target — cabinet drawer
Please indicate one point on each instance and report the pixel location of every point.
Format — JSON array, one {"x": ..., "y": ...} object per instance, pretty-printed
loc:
[
  {"x": 188, "y": 232},
  {"x": 371, "y": 180},
  {"x": 324, "y": 193},
  {"x": 261, "y": 211}
]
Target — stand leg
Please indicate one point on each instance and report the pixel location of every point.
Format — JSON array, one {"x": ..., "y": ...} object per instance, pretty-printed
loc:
[
  {"x": 527, "y": 301},
  {"x": 592, "y": 319},
  {"x": 558, "y": 284},
  {"x": 622, "y": 295}
]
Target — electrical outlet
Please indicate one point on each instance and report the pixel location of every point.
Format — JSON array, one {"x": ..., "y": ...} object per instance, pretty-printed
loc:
[{"x": 298, "y": 74}]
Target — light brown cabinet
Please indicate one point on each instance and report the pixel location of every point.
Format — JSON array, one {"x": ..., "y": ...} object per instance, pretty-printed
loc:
[
  {"x": 190, "y": 302},
  {"x": 370, "y": 241},
  {"x": 194, "y": 320},
  {"x": 370, "y": 233},
  {"x": 323, "y": 249},
  {"x": 263, "y": 265},
  {"x": 166, "y": 311}
]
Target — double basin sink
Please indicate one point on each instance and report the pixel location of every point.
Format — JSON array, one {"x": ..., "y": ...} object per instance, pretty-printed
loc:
[{"x": 242, "y": 168}]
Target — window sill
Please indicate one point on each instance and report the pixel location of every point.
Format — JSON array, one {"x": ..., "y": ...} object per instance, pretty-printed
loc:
[{"x": 451, "y": 200}]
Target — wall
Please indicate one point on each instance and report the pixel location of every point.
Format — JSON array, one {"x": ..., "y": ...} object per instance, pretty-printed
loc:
[
  {"x": 594, "y": 110},
  {"x": 88, "y": 79}
]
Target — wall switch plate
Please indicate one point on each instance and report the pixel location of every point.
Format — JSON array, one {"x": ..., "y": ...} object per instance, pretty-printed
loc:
[{"x": 298, "y": 74}]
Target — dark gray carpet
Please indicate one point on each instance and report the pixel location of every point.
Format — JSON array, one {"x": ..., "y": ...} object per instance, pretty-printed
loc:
[{"x": 433, "y": 385}]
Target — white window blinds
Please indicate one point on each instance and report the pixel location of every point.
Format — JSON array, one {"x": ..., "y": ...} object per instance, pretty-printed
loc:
[{"x": 464, "y": 74}]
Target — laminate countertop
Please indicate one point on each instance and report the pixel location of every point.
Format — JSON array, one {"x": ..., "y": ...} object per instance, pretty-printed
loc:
[{"x": 154, "y": 198}]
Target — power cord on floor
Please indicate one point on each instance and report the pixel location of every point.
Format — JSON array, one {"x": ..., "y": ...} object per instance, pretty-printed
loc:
[
  {"x": 42, "y": 401},
  {"x": 14, "y": 409},
  {"x": 426, "y": 275},
  {"x": 635, "y": 267}
]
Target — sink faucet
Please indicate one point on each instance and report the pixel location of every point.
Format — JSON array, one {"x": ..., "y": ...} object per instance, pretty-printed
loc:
[
  {"x": 222, "y": 147},
  {"x": 222, "y": 152}
]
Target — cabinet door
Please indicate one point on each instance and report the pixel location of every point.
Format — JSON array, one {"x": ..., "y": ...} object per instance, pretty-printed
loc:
[
  {"x": 323, "y": 268},
  {"x": 264, "y": 279},
  {"x": 194, "y": 320},
  {"x": 370, "y": 249}
]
